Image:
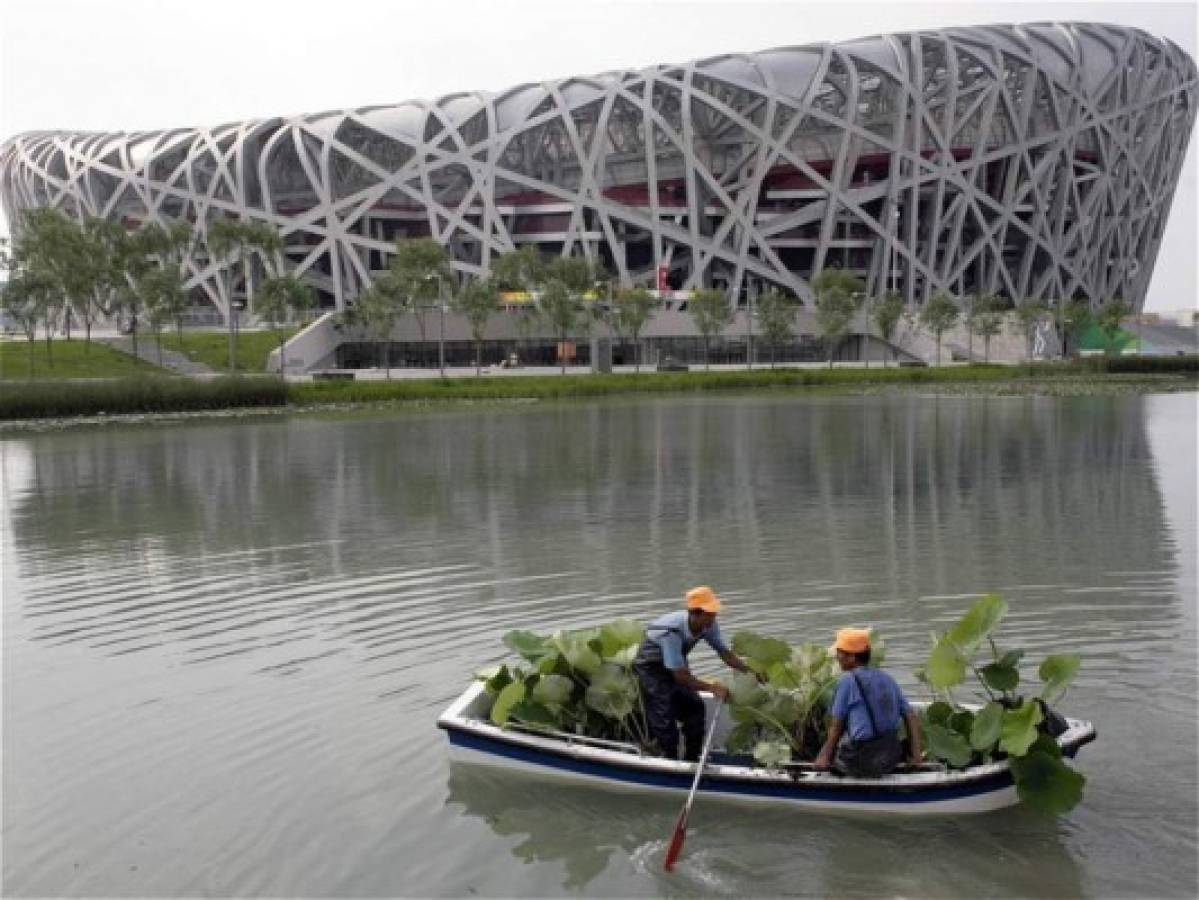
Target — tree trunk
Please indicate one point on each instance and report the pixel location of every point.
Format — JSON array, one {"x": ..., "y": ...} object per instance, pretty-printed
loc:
[
  {"x": 87, "y": 336},
  {"x": 478, "y": 358},
  {"x": 32, "y": 346},
  {"x": 133, "y": 334},
  {"x": 158, "y": 344},
  {"x": 707, "y": 363},
  {"x": 636, "y": 355},
  {"x": 987, "y": 350},
  {"x": 282, "y": 341}
]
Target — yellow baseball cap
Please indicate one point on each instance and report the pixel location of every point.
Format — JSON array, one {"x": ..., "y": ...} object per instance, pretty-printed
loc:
[
  {"x": 703, "y": 598},
  {"x": 852, "y": 640}
]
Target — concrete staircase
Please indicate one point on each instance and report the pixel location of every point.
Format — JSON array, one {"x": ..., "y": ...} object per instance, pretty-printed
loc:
[{"x": 147, "y": 350}]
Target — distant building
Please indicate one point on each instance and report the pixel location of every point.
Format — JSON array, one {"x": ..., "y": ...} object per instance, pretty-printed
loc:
[{"x": 1033, "y": 161}]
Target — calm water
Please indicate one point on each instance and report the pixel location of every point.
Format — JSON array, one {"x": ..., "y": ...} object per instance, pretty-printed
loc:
[{"x": 226, "y": 644}]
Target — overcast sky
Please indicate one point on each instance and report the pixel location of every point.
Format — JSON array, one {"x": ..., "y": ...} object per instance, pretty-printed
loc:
[{"x": 149, "y": 64}]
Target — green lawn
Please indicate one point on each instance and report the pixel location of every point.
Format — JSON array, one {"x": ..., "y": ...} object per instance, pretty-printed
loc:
[
  {"x": 212, "y": 348},
  {"x": 67, "y": 359}
]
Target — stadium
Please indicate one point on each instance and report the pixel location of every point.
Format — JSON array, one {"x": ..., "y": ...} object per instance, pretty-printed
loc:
[{"x": 1032, "y": 161}]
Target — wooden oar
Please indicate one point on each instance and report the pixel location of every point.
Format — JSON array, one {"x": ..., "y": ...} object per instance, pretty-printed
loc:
[{"x": 680, "y": 827}]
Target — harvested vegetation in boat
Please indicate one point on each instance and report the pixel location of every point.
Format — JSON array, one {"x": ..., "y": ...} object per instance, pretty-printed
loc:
[{"x": 582, "y": 682}]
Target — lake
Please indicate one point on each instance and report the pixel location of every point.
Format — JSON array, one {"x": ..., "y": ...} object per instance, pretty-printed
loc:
[{"x": 227, "y": 642}]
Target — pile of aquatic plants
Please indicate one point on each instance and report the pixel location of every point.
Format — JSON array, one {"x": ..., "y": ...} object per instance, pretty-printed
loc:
[
  {"x": 581, "y": 682},
  {"x": 781, "y": 706},
  {"x": 1012, "y": 722}
]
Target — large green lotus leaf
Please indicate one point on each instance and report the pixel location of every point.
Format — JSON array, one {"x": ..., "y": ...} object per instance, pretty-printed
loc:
[
  {"x": 962, "y": 722},
  {"x": 1046, "y": 744},
  {"x": 741, "y": 738},
  {"x": 612, "y": 692},
  {"x": 499, "y": 679},
  {"x": 984, "y": 733},
  {"x": 811, "y": 659},
  {"x": 938, "y": 713},
  {"x": 553, "y": 690},
  {"x": 1019, "y": 728},
  {"x": 619, "y": 635},
  {"x": 1057, "y": 671},
  {"x": 529, "y": 645},
  {"x": 772, "y": 754},
  {"x": 745, "y": 690},
  {"x": 946, "y": 666},
  {"x": 782, "y": 706},
  {"x": 783, "y": 674},
  {"x": 1011, "y": 658},
  {"x": 947, "y": 745},
  {"x": 982, "y": 616},
  {"x": 501, "y": 709},
  {"x": 761, "y": 652},
  {"x": 744, "y": 715},
  {"x": 532, "y": 713},
  {"x": 1046, "y": 783},
  {"x": 574, "y": 646},
  {"x": 999, "y": 677}
]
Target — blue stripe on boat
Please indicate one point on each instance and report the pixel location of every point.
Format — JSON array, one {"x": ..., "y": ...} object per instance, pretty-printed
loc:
[{"x": 798, "y": 790}]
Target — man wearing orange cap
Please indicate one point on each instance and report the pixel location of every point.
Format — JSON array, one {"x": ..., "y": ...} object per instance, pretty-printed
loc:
[
  {"x": 866, "y": 710},
  {"x": 669, "y": 688}
]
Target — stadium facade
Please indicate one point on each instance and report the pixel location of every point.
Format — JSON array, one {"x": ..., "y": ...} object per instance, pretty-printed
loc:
[{"x": 1032, "y": 161}]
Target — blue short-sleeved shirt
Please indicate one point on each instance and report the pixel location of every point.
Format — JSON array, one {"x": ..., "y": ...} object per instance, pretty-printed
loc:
[
  {"x": 886, "y": 701},
  {"x": 671, "y": 633}
]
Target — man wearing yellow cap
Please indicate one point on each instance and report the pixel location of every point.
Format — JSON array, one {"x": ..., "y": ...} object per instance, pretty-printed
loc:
[
  {"x": 866, "y": 710},
  {"x": 669, "y": 688}
]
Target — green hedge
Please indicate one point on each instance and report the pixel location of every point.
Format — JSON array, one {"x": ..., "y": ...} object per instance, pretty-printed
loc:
[
  {"x": 1152, "y": 364},
  {"x": 49, "y": 399}
]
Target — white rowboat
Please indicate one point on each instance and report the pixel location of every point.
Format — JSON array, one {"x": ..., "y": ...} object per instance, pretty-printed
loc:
[{"x": 926, "y": 790}]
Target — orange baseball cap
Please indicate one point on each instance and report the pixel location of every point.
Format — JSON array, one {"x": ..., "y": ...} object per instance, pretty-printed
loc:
[
  {"x": 852, "y": 640},
  {"x": 704, "y": 598}
]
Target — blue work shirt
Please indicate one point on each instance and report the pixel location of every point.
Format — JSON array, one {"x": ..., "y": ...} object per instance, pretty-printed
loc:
[
  {"x": 672, "y": 634},
  {"x": 887, "y": 702}
]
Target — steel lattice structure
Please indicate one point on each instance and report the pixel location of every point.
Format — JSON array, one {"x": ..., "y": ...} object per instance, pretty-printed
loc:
[{"x": 1036, "y": 161}]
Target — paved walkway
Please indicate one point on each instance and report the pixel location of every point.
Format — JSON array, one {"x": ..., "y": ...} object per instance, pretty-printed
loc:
[{"x": 148, "y": 351}]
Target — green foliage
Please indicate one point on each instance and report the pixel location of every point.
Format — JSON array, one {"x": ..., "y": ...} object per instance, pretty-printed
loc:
[
  {"x": 1007, "y": 724},
  {"x": 478, "y": 300},
  {"x": 987, "y": 726},
  {"x": 1057, "y": 671},
  {"x": 576, "y": 681},
  {"x": 776, "y": 314},
  {"x": 986, "y": 320},
  {"x": 939, "y": 315},
  {"x": 946, "y": 744},
  {"x": 772, "y": 754},
  {"x": 1111, "y": 314},
  {"x": 1043, "y": 780},
  {"x": 711, "y": 312},
  {"x": 838, "y": 297},
  {"x": 886, "y": 314},
  {"x": 143, "y": 394},
  {"x": 631, "y": 309}
]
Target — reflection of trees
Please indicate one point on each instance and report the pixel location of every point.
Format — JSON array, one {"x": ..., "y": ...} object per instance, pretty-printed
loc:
[{"x": 922, "y": 495}]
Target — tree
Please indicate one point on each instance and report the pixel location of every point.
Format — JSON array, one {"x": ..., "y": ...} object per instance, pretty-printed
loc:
[
  {"x": 161, "y": 293},
  {"x": 776, "y": 314},
  {"x": 168, "y": 247},
  {"x": 378, "y": 308},
  {"x": 1029, "y": 316},
  {"x": 562, "y": 309},
  {"x": 238, "y": 242},
  {"x": 940, "y": 314},
  {"x": 631, "y": 309},
  {"x": 838, "y": 297},
  {"x": 110, "y": 247},
  {"x": 521, "y": 270},
  {"x": 478, "y": 301},
  {"x": 280, "y": 298},
  {"x": 711, "y": 311},
  {"x": 56, "y": 248},
  {"x": 886, "y": 314},
  {"x": 987, "y": 320},
  {"x": 1110, "y": 316},
  {"x": 418, "y": 269},
  {"x": 23, "y": 298},
  {"x": 1074, "y": 318}
]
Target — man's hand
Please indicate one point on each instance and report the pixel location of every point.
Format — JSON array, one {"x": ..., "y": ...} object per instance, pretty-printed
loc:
[
  {"x": 719, "y": 690},
  {"x": 822, "y": 762}
]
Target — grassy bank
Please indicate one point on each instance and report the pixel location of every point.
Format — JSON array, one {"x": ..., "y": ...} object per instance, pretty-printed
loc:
[
  {"x": 211, "y": 348},
  {"x": 141, "y": 395},
  {"x": 67, "y": 359},
  {"x": 153, "y": 394}
]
